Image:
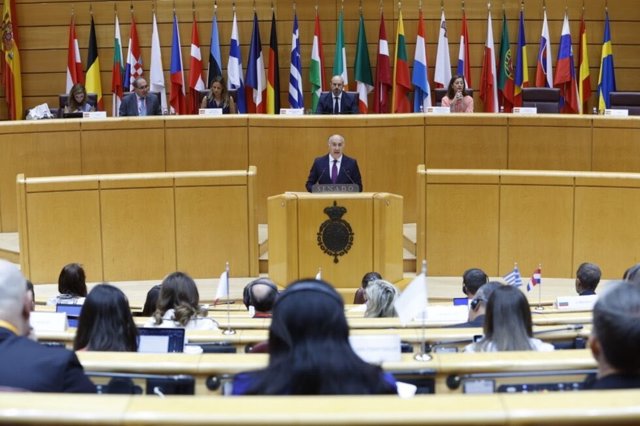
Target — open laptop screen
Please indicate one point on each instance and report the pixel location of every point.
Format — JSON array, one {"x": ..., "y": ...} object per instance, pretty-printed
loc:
[
  {"x": 72, "y": 311},
  {"x": 160, "y": 340}
]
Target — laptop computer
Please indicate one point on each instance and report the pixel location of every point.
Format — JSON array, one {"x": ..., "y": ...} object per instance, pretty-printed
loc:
[
  {"x": 160, "y": 340},
  {"x": 72, "y": 311}
]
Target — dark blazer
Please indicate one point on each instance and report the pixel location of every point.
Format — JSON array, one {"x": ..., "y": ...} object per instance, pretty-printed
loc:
[
  {"x": 25, "y": 364},
  {"x": 129, "y": 105},
  {"x": 321, "y": 172},
  {"x": 348, "y": 104},
  {"x": 614, "y": 381}
]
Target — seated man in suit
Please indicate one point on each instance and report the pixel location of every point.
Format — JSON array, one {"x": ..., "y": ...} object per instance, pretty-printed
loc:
[
  {"x": 587, "y": 279},
  {"x": 615, "y": 337},
  {"x": 25, "y": 364},
  {"x": 478, "y": 305},
  {"x": 337, "y": 101},
  {"x": 141, "y": 102},
  {"x": 334, "y": 168}
]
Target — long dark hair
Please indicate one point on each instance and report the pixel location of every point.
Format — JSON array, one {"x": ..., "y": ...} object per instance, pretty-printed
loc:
[
  {"x": 105, "y": 322},
  {"x": 451, "y": 93},
  {"x": 72, "y": 281},
  {"x": 507, "y": 325},
  {"x": 309, "y": 348},
  {"x": 179, "y": 292}
]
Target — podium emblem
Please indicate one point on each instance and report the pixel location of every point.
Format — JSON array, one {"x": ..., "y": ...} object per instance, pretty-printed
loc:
[{"x": 335, "y": 236}]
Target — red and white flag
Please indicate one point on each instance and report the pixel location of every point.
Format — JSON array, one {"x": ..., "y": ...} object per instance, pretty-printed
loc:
[
  {"x": 196, "y": 82},
  {"x": 75, "y": 74}
]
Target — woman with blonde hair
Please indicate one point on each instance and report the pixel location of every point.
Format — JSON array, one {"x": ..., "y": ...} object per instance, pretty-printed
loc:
[
  {"x": 78, "y": 100},
  {"x": 381, "y": 296}
]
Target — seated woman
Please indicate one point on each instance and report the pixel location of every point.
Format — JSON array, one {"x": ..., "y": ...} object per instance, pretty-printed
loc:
[
  {"x": 360, "y": 296},
  {"x": 105, "y": 323},
  {"x": 309, "y": 350},
  {"x": 78, "y": 100},
  {"x": 151, "y": 301},
  {"x": 179, "y": 305},
  {"x": 218, "y": 97},
  {"x": 457, "y": 98},
  {"x": 72, "y": 286},
  {"x": 381, "y": 295},
  {"x": 507, "y": 324}
]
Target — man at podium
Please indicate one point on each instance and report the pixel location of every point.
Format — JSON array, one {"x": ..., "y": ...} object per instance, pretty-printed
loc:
[{"x": 335, "y": 168}]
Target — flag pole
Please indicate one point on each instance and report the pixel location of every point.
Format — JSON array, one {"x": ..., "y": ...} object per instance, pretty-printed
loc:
[
  {"x": 229, "y": 331},
  {"x": 540, "y": 307},
  {"x": 422, "y": 355}
]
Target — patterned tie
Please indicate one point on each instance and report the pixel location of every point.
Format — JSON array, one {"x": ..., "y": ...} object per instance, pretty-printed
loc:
[
  {"x": 336, "y": 106},
  {"x": 334, "y": 171},
  {"x": 142, "y": 108}
]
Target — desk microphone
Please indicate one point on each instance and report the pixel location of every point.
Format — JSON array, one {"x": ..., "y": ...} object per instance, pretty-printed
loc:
[
  {"x": 321, "y": 174},
  {"x": 348, "y": 173}
]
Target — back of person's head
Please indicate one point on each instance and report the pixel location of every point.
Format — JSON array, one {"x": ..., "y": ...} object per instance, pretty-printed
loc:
[
  {"x": 472, "y": 280},
  {"x": 381, "y": 295},
  {"x": 32, "y": 293},
  {"x": 632, "y": 274},
  {"x": 483, "y": 294},
  {"x": 507, "y": 324},
  {"x": 72, "y": 281},
  {"x": 151, "y": 302},
  {"x": 178, "y": 292},
  {"x": 105, "y": 322},
  {"x": 370, "y": 276},
  {"x": 588, "y": 276},
  {"x": 13, "y": 295},
  {"x": 309, "y": 347},
  {"x": 616, "y": 327},
  {"x": 261, "y": 294}
]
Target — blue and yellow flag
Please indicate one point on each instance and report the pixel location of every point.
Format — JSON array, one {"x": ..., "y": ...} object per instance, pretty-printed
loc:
[{"x": 607, "y": 77}]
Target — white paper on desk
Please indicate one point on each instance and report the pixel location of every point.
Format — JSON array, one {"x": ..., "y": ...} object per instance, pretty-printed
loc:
[
  {"x": 48, "y": 321},
  {"x": 376, "y": 348},
  {"x": 438, "y": 314},
  {"x": 210, "y": 111}
]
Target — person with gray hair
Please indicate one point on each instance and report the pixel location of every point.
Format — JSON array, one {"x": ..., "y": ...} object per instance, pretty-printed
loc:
[
  {"x": 381, "y": 295},
  {"x": 587, "y": 279},
  {"x": 25, "y": 364},
  {"x": 615, "y": 337},
  {"x": 478, "y": 305}
]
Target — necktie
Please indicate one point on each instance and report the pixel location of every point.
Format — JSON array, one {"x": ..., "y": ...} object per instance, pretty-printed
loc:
[
  {"x": 142, "y": 108},
  {"x": 336, "y": 106},
  {"x": 334, "y": 171}
]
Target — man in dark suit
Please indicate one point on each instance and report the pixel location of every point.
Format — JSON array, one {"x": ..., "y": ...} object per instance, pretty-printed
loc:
[
  {"x": 615, "y": 337},
  {"x": 587, "y": 279},
  {"x": 334, "y": 168},
  {"x": 24, "y": 363},
  {"x": 337, "y": 101},
  {"x": 478, "y": 306},
  {"x": 141, "y": 102}
]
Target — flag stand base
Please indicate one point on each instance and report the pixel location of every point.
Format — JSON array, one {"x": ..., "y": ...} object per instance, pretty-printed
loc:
[
  {"x": 539, "y": 308},
  {"x": 229, "y": 332},
  {"x": 424, "y": 357}
]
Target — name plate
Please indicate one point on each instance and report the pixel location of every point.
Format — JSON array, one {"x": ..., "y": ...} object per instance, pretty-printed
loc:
[
  {"x": 377, "y": 348},
  {"x": 94, "y": 114},
  {"x": 48, "y": 321},
  {"x": 525, "y": 110},
  {"x": 291, "y": 111},
  {"x": 210, "y": 111},
  {"x": 335, "y": 187},
  {"x": 436, "y": 315},
  {"x": 576, "y": 303},
  {"x": 438, "y": 110},
  {"x": 617, "y": 112}
]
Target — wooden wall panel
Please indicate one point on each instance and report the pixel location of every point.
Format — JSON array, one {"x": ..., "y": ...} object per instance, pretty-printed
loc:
[{"x": 43, "y": 29}]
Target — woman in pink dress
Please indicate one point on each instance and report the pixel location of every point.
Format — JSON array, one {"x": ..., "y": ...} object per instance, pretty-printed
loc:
[{"x": 457, "y": 98}]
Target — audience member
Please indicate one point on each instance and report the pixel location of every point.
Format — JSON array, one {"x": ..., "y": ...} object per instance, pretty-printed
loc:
[
  {"x": 141, "y": 102},
  {"x": 25, "y": 364},
  {"x": 615, "y": 337},
  {"x": 259, "y": 296},
  {"x": 508, "y": 325},
  {"x": 105, "y": 323},
  {"x": 478, "y": 305},
  {"x": 309, "y": 350},
  {"x": 335, "y": 167},
  {"x": 472, "y": 280},
  {"x": 151, "y": 301},
  {"x": 337, "y": 101},
  {"x": 179, "y": 305},
  {"x": 381, "y": 296},
  {"x": 72, "y": 286},
  {"x": 218, "y": 97},
  {"x": 457, "y": 98},
  {"x": 360, "y": 297},
  {"x": 587, "y": 279},
  {"x": 632, "y": 274},
  {"x": 78, "y": 101}
]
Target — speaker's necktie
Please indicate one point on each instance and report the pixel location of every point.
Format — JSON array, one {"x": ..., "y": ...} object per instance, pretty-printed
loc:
[{"x": 334, "y": 172}]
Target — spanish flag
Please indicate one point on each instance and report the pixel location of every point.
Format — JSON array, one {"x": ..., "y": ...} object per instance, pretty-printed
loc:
[{"x": 11, "y": 74}]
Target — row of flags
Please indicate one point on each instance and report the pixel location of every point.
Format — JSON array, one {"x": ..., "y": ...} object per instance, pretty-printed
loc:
[
  {"x": 515, "y": 279},
  {"x": 393, "y": 87}
]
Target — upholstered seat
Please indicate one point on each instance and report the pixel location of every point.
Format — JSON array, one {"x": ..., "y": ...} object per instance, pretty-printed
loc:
[
  {"x": 626, "y": 100},
  {"x": 545, "y": 99}
]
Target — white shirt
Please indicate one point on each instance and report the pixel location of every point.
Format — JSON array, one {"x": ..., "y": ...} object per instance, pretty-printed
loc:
[
  {"x": 338, "y": 163},
  {"x": 537, "y": 344},
  {"x": 195, "y": 323}
]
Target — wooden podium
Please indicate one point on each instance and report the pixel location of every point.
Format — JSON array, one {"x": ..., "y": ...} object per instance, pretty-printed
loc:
[{"x": 346, "y": 235}]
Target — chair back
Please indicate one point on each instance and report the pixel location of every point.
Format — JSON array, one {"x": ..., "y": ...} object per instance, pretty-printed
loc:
[
  {"x": 626, "y": 100},
  {"x": 545, "y": 99}
]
